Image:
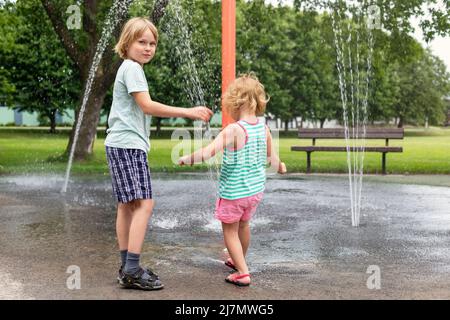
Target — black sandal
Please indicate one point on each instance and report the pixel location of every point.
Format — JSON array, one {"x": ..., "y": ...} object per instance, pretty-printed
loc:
[
  {"x": 122, "y": 274},
  {"x": 142, "y": 280}
]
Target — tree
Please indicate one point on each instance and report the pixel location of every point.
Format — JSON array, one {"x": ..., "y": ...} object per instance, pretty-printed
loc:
[
  {"x": 264, "y": 48},
  {"x": 396, "y": 14},
  {"x": 315, "y": 86},
  {"x": 423, "y": 84},
  {"x": 9, "y": 22},
  {"x": 41, "y": 73}
]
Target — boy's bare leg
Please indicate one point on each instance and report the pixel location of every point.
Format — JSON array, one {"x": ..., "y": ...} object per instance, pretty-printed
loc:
[
  {"x": 231, "y": 237},
  {"x": 244, "y": 236},
  {"x": 123, "y": 222},
  {"x": 142, "y": 213}
]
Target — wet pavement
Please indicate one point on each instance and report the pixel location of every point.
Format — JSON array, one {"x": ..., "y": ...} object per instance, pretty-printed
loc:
[{"x": 303, "y": 244}]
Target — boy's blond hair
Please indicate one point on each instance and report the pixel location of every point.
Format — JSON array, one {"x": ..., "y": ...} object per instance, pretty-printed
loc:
[
  {"x": 133, "y": 29},
  {"x": 246, "y": 92}
]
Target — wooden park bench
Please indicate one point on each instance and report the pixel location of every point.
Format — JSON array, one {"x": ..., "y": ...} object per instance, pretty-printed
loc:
[{"x": 371, "y": 133}]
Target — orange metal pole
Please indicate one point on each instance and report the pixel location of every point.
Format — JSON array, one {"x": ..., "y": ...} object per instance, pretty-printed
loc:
[{"x": 228, "y": 50}]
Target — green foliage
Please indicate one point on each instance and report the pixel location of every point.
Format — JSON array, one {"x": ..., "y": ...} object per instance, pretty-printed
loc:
[
  {"x": 291, "y": 49},
  {"x": 9, "y": 23},
  {"x": 423, "y": 84},
  {"x": 38, "y": 67}
]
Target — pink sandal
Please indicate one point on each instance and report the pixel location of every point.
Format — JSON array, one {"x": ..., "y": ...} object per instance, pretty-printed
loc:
[
  {"x": 234, "y": 277},
  {"x": 229, "y": 263}
]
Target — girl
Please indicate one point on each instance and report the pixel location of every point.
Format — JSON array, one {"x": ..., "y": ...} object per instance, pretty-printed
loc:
[
  {"x": 247, "y": 145},
  {"x": 127, "y": 145}
]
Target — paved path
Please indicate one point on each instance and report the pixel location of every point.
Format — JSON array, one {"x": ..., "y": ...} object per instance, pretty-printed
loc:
[{"x": 303, "y": 245}]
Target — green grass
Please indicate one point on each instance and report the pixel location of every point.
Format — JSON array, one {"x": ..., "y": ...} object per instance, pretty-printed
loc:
[{"x": 424, "y": 152}]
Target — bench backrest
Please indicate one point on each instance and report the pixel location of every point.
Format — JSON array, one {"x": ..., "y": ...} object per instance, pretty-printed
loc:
[{"x": 371, "y": 133}]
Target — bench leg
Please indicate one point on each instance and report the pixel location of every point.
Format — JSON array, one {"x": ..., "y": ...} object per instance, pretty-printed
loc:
[
  {"x": 383, "y": 163},
  {"x": 308, "y": 162}
]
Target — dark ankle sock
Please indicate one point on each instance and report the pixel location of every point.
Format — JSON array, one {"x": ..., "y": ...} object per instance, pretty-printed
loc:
[
  {"x": 123, "y": 257},
  {"x": 132, "y": 264}
]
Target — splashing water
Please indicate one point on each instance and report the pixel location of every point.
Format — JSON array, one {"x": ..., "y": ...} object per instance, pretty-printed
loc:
[
  {"x": 178, "y": 31},
  {"x": 354, "y": 95},
  {"x": 119, "y": 8}
]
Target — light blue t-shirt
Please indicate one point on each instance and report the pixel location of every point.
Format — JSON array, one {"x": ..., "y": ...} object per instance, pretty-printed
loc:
[{"x": 129, "y": 127}]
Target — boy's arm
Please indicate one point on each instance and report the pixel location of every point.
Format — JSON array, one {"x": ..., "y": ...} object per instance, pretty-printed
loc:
[
  {"x": 157, "y": 109},
  {"x": 272, "y": 156},
  {"x": 225, "y": 138}
]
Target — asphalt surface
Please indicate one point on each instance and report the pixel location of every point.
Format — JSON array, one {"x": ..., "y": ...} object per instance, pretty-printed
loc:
[{"x": 303, "y": 244}]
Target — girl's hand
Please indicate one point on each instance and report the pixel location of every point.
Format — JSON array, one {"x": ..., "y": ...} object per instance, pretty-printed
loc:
[
  {"x": 200, "y": 113},
  {"x": 282, "y": 168},
  {"x": 185, "y": 160}
]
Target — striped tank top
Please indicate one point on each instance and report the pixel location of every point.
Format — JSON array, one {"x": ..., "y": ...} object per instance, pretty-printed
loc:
[{"x": 243, "y": 171}]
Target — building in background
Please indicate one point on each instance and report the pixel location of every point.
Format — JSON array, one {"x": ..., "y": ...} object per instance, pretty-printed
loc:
[{"x": 13, "y": 117}]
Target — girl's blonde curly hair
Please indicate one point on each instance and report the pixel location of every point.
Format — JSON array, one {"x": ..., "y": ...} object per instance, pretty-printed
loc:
[{"x": 246, "y": 92}]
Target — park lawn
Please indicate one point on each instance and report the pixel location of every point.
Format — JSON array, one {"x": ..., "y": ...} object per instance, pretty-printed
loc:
[
  {"x": 421, "y": 155},
  {"x": 27, "y": 152},
  {"x": 424, "y": 152}
]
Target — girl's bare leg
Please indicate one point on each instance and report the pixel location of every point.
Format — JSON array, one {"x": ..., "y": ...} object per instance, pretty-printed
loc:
[
  {"x": 244, "y": 235},
  {"x": 234, "y": 246}
]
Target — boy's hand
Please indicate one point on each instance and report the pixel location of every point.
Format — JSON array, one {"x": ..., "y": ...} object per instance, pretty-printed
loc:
[
  {"x": 185, "y": 160},
  {"x": 282, "y": 168},
  {"x": 200, "y": 113}
]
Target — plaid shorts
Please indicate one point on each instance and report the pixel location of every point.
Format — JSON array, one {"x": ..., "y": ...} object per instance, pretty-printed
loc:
[{"x": 129, "y": 173}]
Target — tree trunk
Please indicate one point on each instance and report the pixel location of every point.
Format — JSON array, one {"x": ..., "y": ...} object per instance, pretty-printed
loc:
[
  {"x": 52, "y": 117},
  {"x": 88, "y": 127},
  {"x": 400, "y": 122},
  {"x": 286, "y": 125},
  {"x": 158, "y": 126},
  {"x": 322, "y": 122}
]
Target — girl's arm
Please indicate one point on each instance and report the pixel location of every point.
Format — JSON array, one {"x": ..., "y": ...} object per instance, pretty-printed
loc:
[
  {"x": 226, "y": 138},
  {"x": 272, "y": 156},
  {"x": 157, "y": 109}
]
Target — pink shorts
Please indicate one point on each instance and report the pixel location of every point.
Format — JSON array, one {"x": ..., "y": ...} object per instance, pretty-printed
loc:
[{"x": 231, "y": 211}]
